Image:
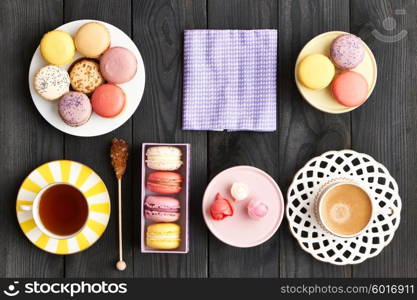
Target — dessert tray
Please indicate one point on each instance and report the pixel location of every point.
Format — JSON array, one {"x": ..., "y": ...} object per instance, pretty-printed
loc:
[
  {"x": 182, "y": 196},
  {"x": 305, "y": 226},
  {"x": 96, "y": 125},
  {"x": 88, "y": 182},
  {"x": 323, "y": 99}
]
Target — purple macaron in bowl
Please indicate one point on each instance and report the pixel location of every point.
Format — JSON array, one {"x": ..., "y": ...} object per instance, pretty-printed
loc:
[
  {"x": 347, "y": 51},
  {"x": 162, "y": 209},
  {"x": 75, "y": 108}
]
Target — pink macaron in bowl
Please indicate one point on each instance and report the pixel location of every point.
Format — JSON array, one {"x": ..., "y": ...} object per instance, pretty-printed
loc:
[
  {"x": 108, "y": 100},
  {"x": 118, "y": 65},
  {"x": 162, "y": 209},
  {"x": 350, "y": 88}
]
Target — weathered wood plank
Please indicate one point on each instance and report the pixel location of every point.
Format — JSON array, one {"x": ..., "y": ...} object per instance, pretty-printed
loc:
[
  {"x": 158, "y": 31},
  {"x": 304, "y": 131},
  {"x": 386, "y": 126},
  {"x": 100, "y": 259},
  {"x": 243, "y": 148},
  {"x": 28, "y": 140}
]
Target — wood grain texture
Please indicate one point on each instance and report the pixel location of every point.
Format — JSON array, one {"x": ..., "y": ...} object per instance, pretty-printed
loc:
[
  {"x": 243, "y": 148},
  {"x": 101, "y": 258},
  {"x": 386, "y": 126},
  {"x": 304, "y": 131},
  {"x": 158, "y": 31},
  {"x": 27, "y": 139}
]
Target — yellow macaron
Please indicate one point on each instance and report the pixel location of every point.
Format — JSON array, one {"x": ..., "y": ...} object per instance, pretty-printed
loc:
[
  {"x": 316, "y": 71},
  {"x": 164, "y": 236},
  {"x": 57, "y": 47}
]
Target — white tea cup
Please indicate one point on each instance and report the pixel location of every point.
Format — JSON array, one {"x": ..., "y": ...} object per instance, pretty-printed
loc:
[
  {"x": 340, "y": 212},
  {"x": 34, "y": 208}
]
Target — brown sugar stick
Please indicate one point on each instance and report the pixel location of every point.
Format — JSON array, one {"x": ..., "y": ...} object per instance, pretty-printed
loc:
[{"x": 119, "y": 154}]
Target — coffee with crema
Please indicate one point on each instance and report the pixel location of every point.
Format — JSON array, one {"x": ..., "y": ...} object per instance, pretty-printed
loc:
[{"x": 346, "y": 209}]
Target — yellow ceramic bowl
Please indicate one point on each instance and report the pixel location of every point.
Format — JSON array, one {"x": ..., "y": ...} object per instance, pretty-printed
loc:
[{"x": 323, "y": 99}]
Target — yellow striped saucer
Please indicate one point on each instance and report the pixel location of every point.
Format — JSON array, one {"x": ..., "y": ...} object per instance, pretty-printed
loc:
[{"x": 93, "y": 189}]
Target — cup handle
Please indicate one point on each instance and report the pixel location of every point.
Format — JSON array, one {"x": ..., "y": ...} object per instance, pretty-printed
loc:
[
  {"x": 26, "y": 207},
  {"x": 387, "y": 211}
]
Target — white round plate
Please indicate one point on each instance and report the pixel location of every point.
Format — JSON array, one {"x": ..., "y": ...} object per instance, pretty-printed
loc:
[
  {"x": 96, "y": 125},
  {"x": 305, "y": 225}
]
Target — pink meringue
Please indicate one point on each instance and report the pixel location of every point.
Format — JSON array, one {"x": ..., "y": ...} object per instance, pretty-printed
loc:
[
  {"x": 257, "y": 209},
  {"x": 221, "y": 208}
]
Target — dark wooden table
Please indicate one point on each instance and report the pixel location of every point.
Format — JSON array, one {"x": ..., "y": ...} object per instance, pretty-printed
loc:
[{"x": 385, "y": 127}]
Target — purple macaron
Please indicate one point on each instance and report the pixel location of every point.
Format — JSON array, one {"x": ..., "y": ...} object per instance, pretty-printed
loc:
[
  {"x": 74, "y": 108},
  {"x": 347, "y": 51},
  {"x": 162, "y": 209}
]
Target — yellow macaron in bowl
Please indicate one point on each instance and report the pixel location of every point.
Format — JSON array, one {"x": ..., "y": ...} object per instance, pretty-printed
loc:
[
  {"x": 164, "y": 236},
  {"x": 57, "y": 47},
  {"x": 308, "y": 75}
]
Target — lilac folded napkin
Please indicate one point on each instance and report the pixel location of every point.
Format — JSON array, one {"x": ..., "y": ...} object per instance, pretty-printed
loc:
[{"x": 230, "y": 80}]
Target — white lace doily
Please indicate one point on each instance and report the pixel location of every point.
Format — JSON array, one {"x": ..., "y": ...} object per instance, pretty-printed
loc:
[{"x": 304, "y": 224}]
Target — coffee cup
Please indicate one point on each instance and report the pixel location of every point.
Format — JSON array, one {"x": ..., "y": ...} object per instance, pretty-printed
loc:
[
  {"x": 345, "y": 208},
  {"x": 60, "y": 210}
]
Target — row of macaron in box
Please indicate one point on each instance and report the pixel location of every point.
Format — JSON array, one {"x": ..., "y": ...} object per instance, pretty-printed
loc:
[
  {"x": 96, "y": 74},
  {"x": 165, "y": 169},
  {"x": 318, "y": 71}
]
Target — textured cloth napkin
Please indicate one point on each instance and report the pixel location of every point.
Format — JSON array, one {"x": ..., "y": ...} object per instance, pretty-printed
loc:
[{"x": 230, "y": 80}]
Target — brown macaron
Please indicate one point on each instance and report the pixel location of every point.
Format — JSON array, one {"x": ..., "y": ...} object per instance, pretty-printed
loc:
[{"x": 85, "y": 76}]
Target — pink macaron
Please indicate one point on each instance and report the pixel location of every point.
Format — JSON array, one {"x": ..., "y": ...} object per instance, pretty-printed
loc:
[
  {"x": 165, "y": 182},
  {"x": 162, "y": 209},
  {"x": 118, "y": 65},
  {"x": 108, "y": 100},
  {"x": 350, "y": 88}
]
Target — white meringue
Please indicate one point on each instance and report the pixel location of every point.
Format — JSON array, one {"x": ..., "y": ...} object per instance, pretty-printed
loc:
[{"x": 239, "y": 191}]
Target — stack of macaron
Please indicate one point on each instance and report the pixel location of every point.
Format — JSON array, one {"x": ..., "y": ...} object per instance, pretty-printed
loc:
[
  {"x": 317, "y": 71},
  {"x": 90, "y": 83},
  {"x": 222, "y": 208},
  {"x": 162, "y": 205}
]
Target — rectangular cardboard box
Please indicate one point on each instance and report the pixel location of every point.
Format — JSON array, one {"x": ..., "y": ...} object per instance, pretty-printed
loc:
[{"x": 182, "y": 197}]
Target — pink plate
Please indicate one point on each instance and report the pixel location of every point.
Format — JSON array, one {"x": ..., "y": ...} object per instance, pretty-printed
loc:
[{"x": 240, "y": 230}]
